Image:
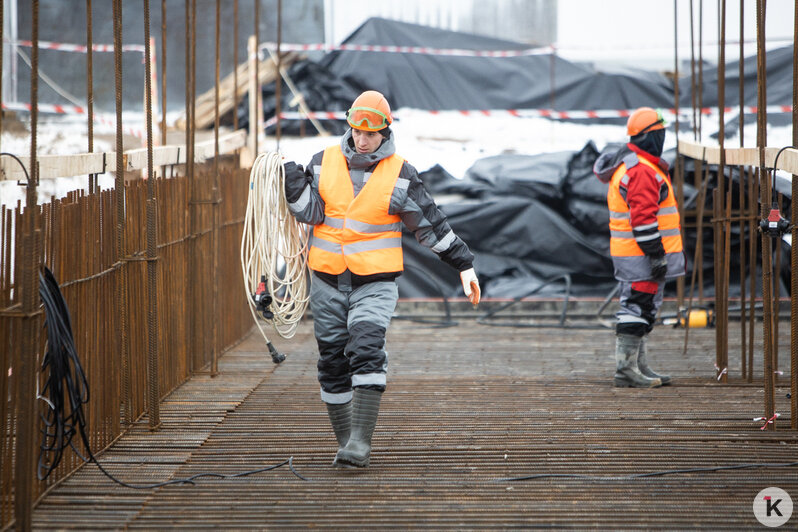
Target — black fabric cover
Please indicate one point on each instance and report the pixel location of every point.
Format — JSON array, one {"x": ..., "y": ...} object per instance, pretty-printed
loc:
[{"x": 455, "y": 82}]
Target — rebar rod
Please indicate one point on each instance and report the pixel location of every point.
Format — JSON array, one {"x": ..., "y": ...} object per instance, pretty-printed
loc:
[
  {"x": 235, "y": 65},
  {"x": 742, "y": 202},
  {"x": 216, "y": 205},
  {"x": 253, "y": 128},
  {"x": 678, "y": 169},
  {"x": 24, "y": 467},
  {"x": 121, "y": 251},
  {"x": 764, "y": 185},
  {"x": 163, "y": 73},
  {"x": 153, "y": 392},
  {"x": 794, "y": 239},
  {"x": 722, "y": 228},
  {"x": 90, "y": 92}
]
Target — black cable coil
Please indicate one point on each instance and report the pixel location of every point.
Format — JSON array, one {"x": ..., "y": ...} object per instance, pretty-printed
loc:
[{"x": 66, "y": 390}]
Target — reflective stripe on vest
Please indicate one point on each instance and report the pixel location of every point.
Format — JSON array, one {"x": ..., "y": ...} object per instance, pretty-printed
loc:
[
  {"x": 622, "y": 240},
  {"x": 357, "y": 232}
]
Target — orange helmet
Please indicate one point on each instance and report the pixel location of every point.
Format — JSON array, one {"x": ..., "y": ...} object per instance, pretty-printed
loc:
[
  {"x": 644, "y": 119},
  {"x": 370, "y": 112}
]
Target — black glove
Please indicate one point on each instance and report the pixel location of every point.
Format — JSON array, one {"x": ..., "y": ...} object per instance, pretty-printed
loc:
[
  {"x": 659, "y": 267},
  {"x": 295, "y": 181}
]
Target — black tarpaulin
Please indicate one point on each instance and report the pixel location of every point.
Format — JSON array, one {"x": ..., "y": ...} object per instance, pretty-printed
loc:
[{"x": 443, "y": 82}]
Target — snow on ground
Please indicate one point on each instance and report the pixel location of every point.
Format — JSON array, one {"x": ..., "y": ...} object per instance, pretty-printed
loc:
[{"x": 451, "y": 139}]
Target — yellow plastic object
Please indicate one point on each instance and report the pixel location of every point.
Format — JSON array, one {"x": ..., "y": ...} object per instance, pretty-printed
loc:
[{"x": 697, "y": 319}]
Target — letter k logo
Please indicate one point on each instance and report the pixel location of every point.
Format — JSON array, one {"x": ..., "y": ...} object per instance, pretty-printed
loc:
[{"x": 772, "y": 507}]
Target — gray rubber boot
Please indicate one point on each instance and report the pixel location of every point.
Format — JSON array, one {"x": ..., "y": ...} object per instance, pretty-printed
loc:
[
  {"x": 626, "y": 373},
  {"x": 341, "y": 420},
  {"x": 365, "y": 408},
  {"x": 642, "y": 363}
]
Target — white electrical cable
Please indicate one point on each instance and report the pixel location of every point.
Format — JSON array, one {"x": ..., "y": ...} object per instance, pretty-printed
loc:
[{"x": 274, "y": 242}]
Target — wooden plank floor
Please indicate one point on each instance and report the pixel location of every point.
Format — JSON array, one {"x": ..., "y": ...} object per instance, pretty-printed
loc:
[{"x": 467, "y": 409}]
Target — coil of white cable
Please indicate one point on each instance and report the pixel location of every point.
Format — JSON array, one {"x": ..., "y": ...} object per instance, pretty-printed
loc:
[{"x": 274, "y": 246}]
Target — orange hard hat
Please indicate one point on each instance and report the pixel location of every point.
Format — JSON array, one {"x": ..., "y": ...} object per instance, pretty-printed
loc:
[
  {"x": 370, "y": 112},
  {"x": 644, "y": 119}
]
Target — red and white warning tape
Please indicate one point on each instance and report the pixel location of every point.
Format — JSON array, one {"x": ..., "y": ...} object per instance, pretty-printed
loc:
[
  {"x": 99, "y": 118},
  {"x": 80, "y": 48},
  {"x": 532, "y": 113},
  {"x": 424, "y": 50},
  {"x": 767, "y": 421}
]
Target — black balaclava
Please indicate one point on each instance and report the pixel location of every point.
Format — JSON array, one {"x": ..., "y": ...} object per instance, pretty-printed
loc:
[{"x": 650, "y": 141}]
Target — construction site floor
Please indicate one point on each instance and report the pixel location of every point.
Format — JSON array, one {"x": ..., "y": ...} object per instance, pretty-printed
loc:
[{"x": 481, "y": 427}]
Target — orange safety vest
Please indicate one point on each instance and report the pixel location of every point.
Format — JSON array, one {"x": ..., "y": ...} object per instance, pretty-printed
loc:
[
  {"x": 357, "y": 232},
  {"x": 622, "y": 240}
]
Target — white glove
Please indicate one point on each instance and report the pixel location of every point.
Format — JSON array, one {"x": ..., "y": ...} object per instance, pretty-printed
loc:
[{"x": 470, "y": 285}]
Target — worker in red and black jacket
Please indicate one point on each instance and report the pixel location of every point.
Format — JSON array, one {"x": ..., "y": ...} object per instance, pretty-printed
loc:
[{"x": 645, "y": 240}]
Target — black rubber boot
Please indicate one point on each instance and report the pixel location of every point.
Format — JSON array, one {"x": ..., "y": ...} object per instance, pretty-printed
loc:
[
  {"x": 341, "y": 420},
  {"x": 642, "y": 363},
  {"x": 365, "y": 408},
  {"x": 626, "y": 373}
]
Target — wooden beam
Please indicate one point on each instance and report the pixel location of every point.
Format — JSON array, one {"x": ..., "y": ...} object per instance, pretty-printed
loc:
[
  {"x": 788, "y": 160},
  {"x": 53, "y": 166}
]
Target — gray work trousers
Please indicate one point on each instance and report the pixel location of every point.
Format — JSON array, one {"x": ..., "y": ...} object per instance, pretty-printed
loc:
[{"x": 350, "y": 328}]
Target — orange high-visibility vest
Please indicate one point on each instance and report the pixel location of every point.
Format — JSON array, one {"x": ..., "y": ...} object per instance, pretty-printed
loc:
[
  {"x": 622, "y": 240},
  {"x": 357, "y": 232}
]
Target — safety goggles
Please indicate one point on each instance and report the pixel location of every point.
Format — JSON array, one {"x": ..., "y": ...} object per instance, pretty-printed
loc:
[
  {"x": 367, "y": 118},
  {"x": 660, "y": 120}
]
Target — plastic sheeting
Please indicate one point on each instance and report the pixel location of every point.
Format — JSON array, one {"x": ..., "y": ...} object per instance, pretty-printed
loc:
[
  {"x": 443, "y": 82},
  {"x": 528, "y": 220}
]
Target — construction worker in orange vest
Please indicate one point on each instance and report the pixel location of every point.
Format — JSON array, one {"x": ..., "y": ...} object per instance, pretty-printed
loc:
[
  {"x": 645, "y": 241},
  {"x": 357, "y": 195}
]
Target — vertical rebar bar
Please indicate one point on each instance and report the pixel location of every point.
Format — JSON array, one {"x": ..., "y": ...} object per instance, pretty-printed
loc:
[
  {"x": 216, "y": 205},
  {"x": 2, "y": 39},
  {"x": 190, "y": 193},
  {"x": 253, "y": 128},
  {"x": 753, "y": 194},
  {"x": 723, "y": 214},
  {"x": 121, "y": 244},
  {"x": 153, "y": 392},
  {"x": 700, "y": 67},
  {"x": 692, "y": 71},
  {"x": 235, "y": 65},
  {"x": 743, "y": 203},
  {"x": 278, "y": 79},
  {"x": 794, "y": 240},
  {"x": 764, "y": 185},
  {"x": 25, "y": 368},
  {"x": 678, "y": 167},
  {"x": 163, "y": 73},
  {"x": 90, "y": 92}
]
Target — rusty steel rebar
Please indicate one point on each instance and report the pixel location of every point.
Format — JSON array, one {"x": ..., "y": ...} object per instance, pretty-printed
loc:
[
  {"x": 278, "y": 80},
  {"x": 742, "y": 201},
  {"x": 163, "y": 74},
  {"x": 794, "y": 235},
  {"x": 253, "y": 128},
  {"x": 678, "y": 169},
  {"x": 765, "y": 194},
  {"x": 2, "y": 37},
  {"x": 153, "y": 404},
  {"x": 90, "y": 92},
  {"x": 723, "y": 214},
  {"x": 217, "y": 201},
  {"x": 25, "y": 368},
  {"x": 692, "y": 72},
  {"x": 235, "y": 65},
  {"x": 753, "y": 193},
  {"x": 119, "y": 187}
]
